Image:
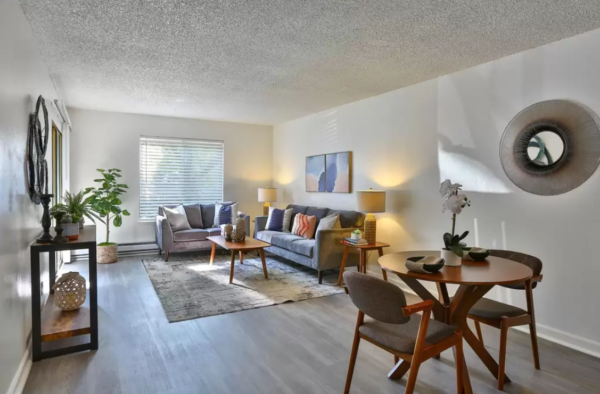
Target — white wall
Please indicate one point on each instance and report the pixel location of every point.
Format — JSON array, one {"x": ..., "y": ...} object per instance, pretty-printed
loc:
[
  {"x": 23, "y": 76},
  {"x": 111, "y": 140},
  {"x": 408, "y": 140}
]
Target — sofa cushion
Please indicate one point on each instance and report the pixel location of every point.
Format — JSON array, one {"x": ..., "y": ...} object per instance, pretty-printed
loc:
[
  {"x": 296, "y": 209},
  {"x": 349, "y": 218},
  {"x": 266, "y": 235},
  {"x": 304, "y": 247},
  {"x": 194, "y": 215},
  {"x": 225, "y": 213},
  {"x": 208, "y": 215},
  {"x": 285, "y": 240},
  {"x": 320, "y": 213},
  {"x": 329, "y": 223},
  {"x": 304, "y": 226},
  {"x": 190, "y": 235},
  {"x": 279, "y": 219},
  {"x": 177, "y": 218}
]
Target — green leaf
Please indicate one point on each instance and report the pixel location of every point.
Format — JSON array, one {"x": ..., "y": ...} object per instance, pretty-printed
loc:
[
  {"x": 124, "y": 186},
  {"x": 99, "y": 170},
  {"x": 118, "y": 221},
  {"x": 106, "y": 185},
  {"x": 116, "y": 201},
  {"x": 116, "y": 169},
  {"x": 457, "y": 250},
  {"x": 125, "y": 212},
  {"x": 98, "y": 180},
  {"x": 447, "y": 239},
  {"x": 463, "y": 236},
  {"x": 115, "y": 209},
  {"x": 117, "y": 174}
]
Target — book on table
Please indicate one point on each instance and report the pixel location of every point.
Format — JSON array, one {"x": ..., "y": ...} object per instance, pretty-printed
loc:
[{"x": 351, "y": 241}]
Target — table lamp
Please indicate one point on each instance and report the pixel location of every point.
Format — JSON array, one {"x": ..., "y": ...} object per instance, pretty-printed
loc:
[
  {"x": 371, "y": 202},
  {"x": 267, "y": 195}
]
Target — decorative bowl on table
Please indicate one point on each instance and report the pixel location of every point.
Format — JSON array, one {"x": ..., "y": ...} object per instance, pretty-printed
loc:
[
  {"x": 477, "y": 254},
  {"x": 424, "y": 264}
]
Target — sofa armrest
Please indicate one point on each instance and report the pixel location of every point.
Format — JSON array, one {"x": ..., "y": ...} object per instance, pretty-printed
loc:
[
  {"x": 260, "y": 223},
  {"x": 164, "y": 233},
  {"x": 329, "y": 249},
  {"x": 247, "y": 219}
]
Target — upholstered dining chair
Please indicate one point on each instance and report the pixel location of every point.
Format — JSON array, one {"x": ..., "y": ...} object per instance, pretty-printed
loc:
[
  {"x": 396, "y": 328},
  {"x": 503, "y": 316}
]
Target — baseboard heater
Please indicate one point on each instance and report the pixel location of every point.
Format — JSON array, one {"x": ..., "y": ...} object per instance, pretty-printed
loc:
[{"x": 127, "y": 249}]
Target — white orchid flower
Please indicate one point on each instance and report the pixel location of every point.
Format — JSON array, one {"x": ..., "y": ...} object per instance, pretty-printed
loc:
[
  {"x": 447, "y": 188},
  {"x": 455, "y": 204}
]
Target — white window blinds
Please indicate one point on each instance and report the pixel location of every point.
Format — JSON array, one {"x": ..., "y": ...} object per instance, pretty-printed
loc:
[{"x": 179, "y": 171}]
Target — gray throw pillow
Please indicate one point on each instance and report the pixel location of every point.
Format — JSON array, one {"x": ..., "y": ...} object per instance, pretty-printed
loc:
[
  {"x": 330, "y": 222},
  {"x": 194, "y": 215},
  {"x": 177, "y": 218}
]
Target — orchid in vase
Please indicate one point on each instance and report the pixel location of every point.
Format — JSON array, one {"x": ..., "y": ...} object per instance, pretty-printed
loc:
[{"x": 455, "y": 203}]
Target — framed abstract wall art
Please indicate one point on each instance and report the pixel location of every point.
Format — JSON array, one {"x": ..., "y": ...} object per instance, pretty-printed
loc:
[
  {"x": 315, "y": 173},
  {"x": 329, "y": 173}
]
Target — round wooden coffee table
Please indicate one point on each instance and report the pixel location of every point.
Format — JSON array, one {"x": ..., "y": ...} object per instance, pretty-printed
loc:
[{"x": 474, "y": 280}]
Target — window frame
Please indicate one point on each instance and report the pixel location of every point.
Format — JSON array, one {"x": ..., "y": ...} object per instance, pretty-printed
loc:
[{"x": 149, "y": 220}]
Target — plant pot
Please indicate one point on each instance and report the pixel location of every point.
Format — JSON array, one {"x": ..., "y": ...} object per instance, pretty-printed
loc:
[
  {"x": 71, "y": 231},
  {"x": 106, "y": 254},
  {"x": 451, "y": 259}
]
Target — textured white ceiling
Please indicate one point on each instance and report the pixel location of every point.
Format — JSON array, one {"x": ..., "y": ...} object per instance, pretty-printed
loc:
[{"x": 269, "y": 61}]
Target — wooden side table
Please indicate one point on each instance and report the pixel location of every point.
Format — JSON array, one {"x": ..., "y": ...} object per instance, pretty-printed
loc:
[
  {"x": 50, "y": 323},
  {"x": 363, "y": 249}
]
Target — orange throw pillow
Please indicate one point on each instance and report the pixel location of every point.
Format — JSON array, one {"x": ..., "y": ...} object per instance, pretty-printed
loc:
[{"x": 304, "y": 225}]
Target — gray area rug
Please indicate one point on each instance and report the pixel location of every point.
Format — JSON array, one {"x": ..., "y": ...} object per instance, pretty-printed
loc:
[{"x": 190, "y": 288}]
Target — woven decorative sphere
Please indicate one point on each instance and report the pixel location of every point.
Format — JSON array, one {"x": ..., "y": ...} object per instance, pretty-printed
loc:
[
  {"x": 238, "y": 235},
  {"x": 69, "y": 291}
]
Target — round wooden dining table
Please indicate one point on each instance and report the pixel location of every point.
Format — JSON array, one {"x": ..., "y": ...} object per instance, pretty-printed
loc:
[{"x": 474, "y": 279}]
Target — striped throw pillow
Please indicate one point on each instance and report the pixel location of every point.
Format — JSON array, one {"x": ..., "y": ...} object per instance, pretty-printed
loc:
[{"x": 304, "y": 225}]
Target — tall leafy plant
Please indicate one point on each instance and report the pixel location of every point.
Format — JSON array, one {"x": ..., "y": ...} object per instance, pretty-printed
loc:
[{"x": 105, "y": 200}]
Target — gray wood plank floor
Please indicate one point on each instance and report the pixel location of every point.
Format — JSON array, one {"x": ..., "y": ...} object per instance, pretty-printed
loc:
[{"x": 299, "y": 347}]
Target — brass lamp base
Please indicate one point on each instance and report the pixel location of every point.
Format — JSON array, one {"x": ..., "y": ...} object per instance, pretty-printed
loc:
[
  {"x": 370, "y": 228},
  {"x": 266, "y": 209}
]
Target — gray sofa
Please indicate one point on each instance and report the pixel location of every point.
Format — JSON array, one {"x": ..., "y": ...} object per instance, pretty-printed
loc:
[
  {"x": 322, "y": 253},
  {"x": 188, "y": 240}
]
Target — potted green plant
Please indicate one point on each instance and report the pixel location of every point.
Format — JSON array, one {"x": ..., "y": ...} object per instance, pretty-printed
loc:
[
  {"x": 70, "y": 227},
  {"x": 58, "y": 212},
  {"x": 105, "y": 201},
  {"x": 78, "y": 206},
  {"x": 452, "y": 252}
]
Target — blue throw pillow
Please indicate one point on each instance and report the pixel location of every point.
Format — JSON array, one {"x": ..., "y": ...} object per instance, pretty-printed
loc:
[
  {"x": 275, "y": 221},
  {"x": 224, "y": 213}
]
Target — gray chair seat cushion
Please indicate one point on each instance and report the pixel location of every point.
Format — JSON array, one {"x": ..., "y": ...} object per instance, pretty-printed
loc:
[
  {"x": 190, "y": 235},
  {"x": 490, "y": 309},
  {"x": 291, "y": 242},
  {"x": 402, "y": 337}
]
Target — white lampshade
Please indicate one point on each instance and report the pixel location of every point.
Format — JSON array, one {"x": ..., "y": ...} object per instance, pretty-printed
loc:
[
  {"x": 371, "y": 201},
  {"x": 267, "y": 194}
]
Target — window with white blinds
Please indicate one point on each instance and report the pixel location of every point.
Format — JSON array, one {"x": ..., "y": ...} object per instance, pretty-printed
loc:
[{"x": 179, "y": 171}]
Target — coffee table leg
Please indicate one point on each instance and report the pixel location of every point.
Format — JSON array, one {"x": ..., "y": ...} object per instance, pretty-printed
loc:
[
  {"x": 264, "y": 263},
  {"x": 212, "y": 253},
  {"x": 343, "y": 266},
  {"x": 232, "y": 265},
  {"x": 241, "y": 257},
  {"x": 383, "y": 272}
]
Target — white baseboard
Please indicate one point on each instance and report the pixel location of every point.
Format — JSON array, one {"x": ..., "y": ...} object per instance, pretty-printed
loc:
[
  {"x": 18, "y": 383},
  {"x": 563, "y": 338}
]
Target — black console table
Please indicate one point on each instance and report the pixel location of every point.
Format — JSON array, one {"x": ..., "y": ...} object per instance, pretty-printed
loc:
[{"x": 50, "y": 323}]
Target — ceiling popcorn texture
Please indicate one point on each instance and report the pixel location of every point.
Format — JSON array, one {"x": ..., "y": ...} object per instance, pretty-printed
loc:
[{"x": 270, "y": 61}]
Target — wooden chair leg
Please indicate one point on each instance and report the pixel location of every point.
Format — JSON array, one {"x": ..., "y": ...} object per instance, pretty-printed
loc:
[
  {"x": 353, "y": 356},
  {"x": 534, "y": 345},
  {"x": 461, "y": 387},
  {"x": 383, "y": 272},
  {"x": 396, "y": 359},
  {"x": 478, "y": 329},
  {"x": 502, "y": 358},
  {"x": 412, "y": 377},
  {"x": 343, "y": 266}
]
